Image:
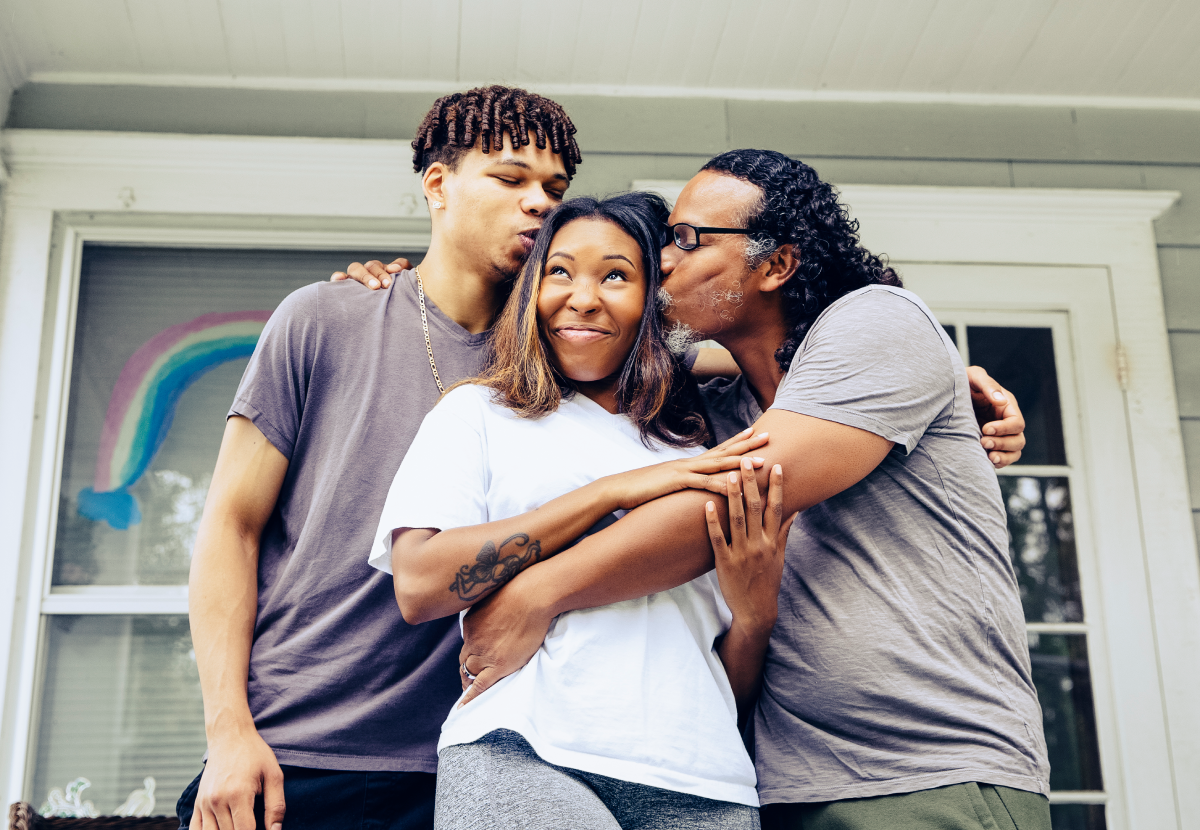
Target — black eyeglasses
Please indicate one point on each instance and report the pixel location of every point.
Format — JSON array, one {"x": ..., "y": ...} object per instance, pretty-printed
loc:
[{"x": 687, "y": 237}]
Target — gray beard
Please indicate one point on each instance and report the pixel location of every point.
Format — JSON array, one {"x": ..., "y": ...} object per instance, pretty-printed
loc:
[{"x": 679, "y": 336}]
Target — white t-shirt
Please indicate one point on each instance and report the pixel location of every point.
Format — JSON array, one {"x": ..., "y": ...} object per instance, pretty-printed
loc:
[{"x": 634, "y": 690}]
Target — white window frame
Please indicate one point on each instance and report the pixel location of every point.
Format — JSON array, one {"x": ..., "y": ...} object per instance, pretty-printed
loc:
[{"x": 65, "y": 188}]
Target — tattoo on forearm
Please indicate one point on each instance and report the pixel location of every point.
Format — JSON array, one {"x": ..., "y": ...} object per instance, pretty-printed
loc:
[{"x": 493, "y": 567}]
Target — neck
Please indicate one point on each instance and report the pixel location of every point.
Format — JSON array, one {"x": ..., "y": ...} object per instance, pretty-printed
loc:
[
  {"x": 459, "y": 289},
  {"x": 603, "y": 392},
  {"x": 754, "y": 352}
]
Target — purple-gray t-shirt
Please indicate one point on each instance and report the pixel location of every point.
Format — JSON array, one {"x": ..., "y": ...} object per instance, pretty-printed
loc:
[
  {"x": 339, "y": 383},
  {"x": 899, "y": 661}
]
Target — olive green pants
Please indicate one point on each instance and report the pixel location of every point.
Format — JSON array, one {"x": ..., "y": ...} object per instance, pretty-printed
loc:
[{"x": 957, "y": 807}]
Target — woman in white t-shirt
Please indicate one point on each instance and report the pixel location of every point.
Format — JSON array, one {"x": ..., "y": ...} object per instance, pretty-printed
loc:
[{"x": 625, "y": 717}]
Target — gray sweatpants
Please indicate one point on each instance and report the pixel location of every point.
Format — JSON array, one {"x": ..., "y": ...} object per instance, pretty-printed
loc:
[{"x": 500, "y": 782}]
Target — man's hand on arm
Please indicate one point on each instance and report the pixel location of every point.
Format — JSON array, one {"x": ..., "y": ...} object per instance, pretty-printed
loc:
[
  {"x": 657, "y": 546},
  {"x": 373, "y": 274},
  {"x": 999, "y": 418},
  {"x": 222, "y": 604}
]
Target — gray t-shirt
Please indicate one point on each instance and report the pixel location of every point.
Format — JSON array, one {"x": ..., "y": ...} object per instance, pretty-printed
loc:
[
  {"x": 899, "y": 661},
  {"x": 339, "y": 383}
]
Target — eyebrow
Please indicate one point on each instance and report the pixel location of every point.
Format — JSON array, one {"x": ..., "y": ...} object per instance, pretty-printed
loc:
[
  {"x": 618, "y": 256},
  {"x": 512, "y": 162},
  {"x": 562, "y": 254}
]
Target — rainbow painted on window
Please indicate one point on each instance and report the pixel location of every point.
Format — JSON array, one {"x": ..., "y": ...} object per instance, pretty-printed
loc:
[{"x": 142, "y": 406}]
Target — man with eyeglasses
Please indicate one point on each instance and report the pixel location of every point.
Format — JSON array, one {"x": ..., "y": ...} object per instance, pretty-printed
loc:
[{"x": 897, "y": 690}]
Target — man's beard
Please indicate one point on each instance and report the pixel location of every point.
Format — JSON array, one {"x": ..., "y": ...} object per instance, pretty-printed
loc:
[{"x": 679, "y": 336}]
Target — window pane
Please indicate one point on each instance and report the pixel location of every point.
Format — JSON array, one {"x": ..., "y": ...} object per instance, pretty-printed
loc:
[
  {"x": 120, "y": 702},
  {"x": 1077, "y": 817},
  {"x": 952, "y": 331},
  {"x": 1064, "y": 685},
  {"x": 1022, "y": 360},
  {"x": 162, "y": 338},
  {"x": 1041, "y": 533}
]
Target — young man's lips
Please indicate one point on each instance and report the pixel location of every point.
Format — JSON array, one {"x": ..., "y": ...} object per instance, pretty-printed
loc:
[{"x": 526, "y": 242}]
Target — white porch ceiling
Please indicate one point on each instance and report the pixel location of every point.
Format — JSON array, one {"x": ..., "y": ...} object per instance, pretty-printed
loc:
[{"x": 1105, "y": 52}]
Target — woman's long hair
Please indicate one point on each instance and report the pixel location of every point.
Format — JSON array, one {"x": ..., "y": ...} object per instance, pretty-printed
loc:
[{"x": 655, "y": 389}]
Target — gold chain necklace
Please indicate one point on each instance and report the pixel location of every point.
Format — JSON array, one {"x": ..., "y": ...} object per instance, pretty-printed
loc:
[{"x": 425, "y": 328}]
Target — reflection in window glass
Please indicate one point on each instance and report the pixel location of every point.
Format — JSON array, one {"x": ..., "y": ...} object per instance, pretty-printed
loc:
[
  {"x": 1077, "y": 817},
  {"x": 1041, "y": 532},
  {"x": 162, "y": 338},
  {"x": 1064, "y": 686},
  {"x": 1022, "y": 361},
  {"x": 120, "y": 702}
]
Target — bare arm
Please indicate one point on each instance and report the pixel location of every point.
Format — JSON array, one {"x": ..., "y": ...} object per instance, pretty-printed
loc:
[
  {"x": 222, "y": 605},
  {"x": 996, "y": 409},
  {"x": 441, "y": 573},
  {"x": 659, "y": 545}
]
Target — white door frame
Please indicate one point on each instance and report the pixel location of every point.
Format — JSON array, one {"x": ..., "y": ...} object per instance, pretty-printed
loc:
[{"x": 67, "y": 187}]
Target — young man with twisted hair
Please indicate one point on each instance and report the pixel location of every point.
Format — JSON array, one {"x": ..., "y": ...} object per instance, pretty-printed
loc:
[{"x": 318, "y": 697}]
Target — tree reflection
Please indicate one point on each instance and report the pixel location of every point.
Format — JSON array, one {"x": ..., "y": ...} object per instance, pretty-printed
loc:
[{"x": 1041, "y": 541}]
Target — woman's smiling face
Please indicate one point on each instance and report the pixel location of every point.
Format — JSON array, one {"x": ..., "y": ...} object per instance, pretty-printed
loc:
[{"x": 590, "y": 303}]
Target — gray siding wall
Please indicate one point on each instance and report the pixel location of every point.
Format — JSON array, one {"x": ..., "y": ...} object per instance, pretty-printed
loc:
[{"x": 645, "y": 138}]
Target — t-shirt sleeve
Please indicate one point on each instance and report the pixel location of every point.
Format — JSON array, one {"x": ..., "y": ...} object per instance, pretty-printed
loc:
[
  {"x": 442, "y": 481},
  {"x": 875, "y": 361},
  {"x": 271, "y": 394}
]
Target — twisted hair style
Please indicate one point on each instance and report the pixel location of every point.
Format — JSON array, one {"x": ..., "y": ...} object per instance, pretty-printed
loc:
[
  {"x": 655, "y": 389},
  {"x": 799, "y": 209},
  {"x": 487, "y": 114}
]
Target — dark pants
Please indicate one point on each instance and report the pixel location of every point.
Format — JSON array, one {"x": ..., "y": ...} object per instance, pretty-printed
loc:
[
  {"x": 957, "y": 807},
  {"x": 330, "y": 800}
]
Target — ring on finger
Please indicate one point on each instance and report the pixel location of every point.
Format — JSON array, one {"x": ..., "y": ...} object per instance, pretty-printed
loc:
[{"x": 463, "y": 668}]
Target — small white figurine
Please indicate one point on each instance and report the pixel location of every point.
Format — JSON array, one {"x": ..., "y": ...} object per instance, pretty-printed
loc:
[
  {"x": 140, "y": 802},
  {"x": 69, "y": 805}
]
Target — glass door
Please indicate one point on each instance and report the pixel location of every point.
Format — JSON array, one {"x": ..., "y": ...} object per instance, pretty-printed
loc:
[{"x": 1021, "y": 352}]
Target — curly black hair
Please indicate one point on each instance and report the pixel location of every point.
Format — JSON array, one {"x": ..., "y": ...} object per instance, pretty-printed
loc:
[
  {"x": 485, "y": 114},
  {"x": 798, "y": 208}
]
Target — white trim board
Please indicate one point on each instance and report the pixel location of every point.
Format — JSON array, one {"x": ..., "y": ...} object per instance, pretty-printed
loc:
[
  {"x": 554, "y": 90},
  {"x": 1033, "y": 206}
]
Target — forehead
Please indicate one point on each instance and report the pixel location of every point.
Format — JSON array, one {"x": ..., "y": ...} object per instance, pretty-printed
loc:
[
  {"x": 714, "y": 199},
  {"x": 529, "y": 158},
  {"x": 595, "y": 235}
]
